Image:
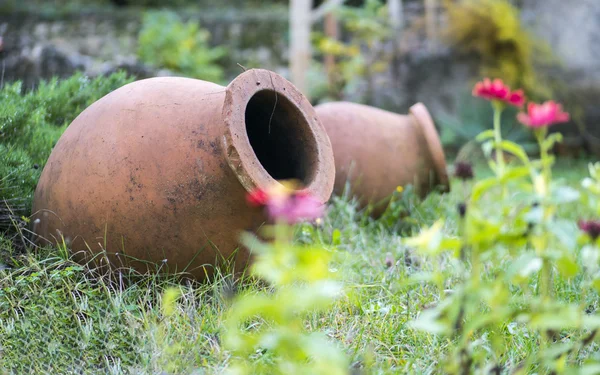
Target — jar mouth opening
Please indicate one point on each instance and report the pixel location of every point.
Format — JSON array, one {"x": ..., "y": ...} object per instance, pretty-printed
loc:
[
  {"x": 272, "y": 134},
  {"x": 280, "y": 137}
]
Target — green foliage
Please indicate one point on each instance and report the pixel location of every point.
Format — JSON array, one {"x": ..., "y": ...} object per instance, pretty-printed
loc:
[
  {"x": 364, "y": 54},
  {"x": 370, "y": 322},
  {"x": 511, "y": 287},
  {"x": 492, "y": 30},
  {"x": 272, "y": 322},
  {"x": 513, "y": 219},
  {"x": 45, "y": 312},
  {"x": 32, "y": 122},
  {"x": 18, "y": 173},
  {"x": 160, "y": 3},
  {"x": 165, "y": 41},
  {"x": 592, "y": 185},
  {"x": 58, "y": 317}
]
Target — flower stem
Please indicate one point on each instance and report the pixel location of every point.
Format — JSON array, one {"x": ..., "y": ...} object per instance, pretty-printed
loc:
[
  {"x": 498, "y": 108},
  {"x": 498, "y": 139},
  {"x": 544, "y": 156},
  {"x": 546, "y": 279}
]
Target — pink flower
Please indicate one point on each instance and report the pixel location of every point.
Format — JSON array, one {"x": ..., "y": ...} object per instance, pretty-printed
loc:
[
  {"x": 288, "y": 206},
  {"x": 295, "y": 208},
  {"x": 540, "y": 115},
  {"x": 497, "y": 91}
]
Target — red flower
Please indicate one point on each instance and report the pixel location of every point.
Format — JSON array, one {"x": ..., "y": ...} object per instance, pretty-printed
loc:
[
  {"x": 257, "y": 198},
  {"x": 497, "y": 91},
  {"x": 591, "y": 227},
  {"x": 540, "y": 115},
  {"x": 287, "y": 205},
  {"x": 295, "y": 207}
]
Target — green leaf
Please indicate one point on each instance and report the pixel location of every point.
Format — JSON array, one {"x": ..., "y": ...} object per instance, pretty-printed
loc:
[
  {"x": 487, "y": 148},
  {"x": 428, "y": 321},
  {"x": 564, "y": 194},
  {"x": 485, "y": 135},
  {"x": 451, "y": 244},
  {"x": 169, "y": 301},
  {"x": 558, "y": 350},
  {"x": 591, "y": 321},
  {"x": 562, "y": 317},
  {"x": 565, "y": 232},
  {"x": 589, "y": 258},
  {"x": 516, "y": 150},
  {"x": 482, "y": 186},
  {"x": 567, "y": 267},
  {"x": 428, "y": 240},
  {"x": 590, "y": 369},
  {"x": 336, "y": 237},
  {"x": 596, "y": 284},
  {"x": 515, "y": 173},
  {"x": 551, "y": 140},
  {"x": 524, "y": 267}
]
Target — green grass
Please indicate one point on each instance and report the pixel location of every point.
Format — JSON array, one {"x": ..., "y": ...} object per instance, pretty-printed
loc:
[{"x": 58, "y": 317}]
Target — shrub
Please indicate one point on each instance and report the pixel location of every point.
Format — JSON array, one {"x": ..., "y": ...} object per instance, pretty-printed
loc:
[
  {"x": 16, "y": 172},
  {"x": 31, "y": 123},
  {"x": 167, "y": 42},
  {"x": 492, "y": 30}
]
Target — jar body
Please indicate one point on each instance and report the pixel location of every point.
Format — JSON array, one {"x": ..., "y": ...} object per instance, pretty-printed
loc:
[
  {"x": 151, "y": 176},
  {"x": 376, "y": 151}
]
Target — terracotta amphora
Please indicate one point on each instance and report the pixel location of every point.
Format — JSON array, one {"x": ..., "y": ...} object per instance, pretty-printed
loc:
[
  {"x": 155, "y": 173},
  {"x": 376, "y": 151}
]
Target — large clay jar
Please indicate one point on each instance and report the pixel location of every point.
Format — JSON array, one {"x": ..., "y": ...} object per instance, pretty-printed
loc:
[
  {"x": 157, "y": 171},
  {"x": 376, "y": 151}
]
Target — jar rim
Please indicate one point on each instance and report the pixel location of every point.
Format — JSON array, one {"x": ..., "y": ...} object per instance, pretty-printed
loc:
[{"x": 308, "y": 149}]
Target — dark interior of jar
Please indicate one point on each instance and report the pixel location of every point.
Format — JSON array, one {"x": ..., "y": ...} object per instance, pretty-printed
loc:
[{"x": 281, "y": 137}]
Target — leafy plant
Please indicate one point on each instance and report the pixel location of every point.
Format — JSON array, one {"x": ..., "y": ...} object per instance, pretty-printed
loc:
[
  {"x": 364, "y": 54},
  {"x": 521, "y": 228},
  {"x": 265, "y": 329},
  {"x": 31, "y": 123},
  {"x": 165, "y": 41}
]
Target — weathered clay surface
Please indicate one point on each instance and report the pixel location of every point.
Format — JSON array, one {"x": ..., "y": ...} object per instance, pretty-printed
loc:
[
  {"x": 377, "y": 150},
  {"x": 158, "y": 169}
]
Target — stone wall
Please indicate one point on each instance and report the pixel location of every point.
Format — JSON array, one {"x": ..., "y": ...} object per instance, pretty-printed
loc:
[{"x": 37, "y": 47}]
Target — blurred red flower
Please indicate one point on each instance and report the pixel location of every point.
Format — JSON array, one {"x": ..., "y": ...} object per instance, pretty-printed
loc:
[
  {"x": 296, "y": 207},
  {"x": 257, "y": 198},
  {"x": 540, "y": 115},
  {"x": 286, "y": 205},
  {"x": 496, "y": 90}
]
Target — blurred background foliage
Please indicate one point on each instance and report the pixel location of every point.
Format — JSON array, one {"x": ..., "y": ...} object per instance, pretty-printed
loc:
[
  {"x": 58, "y": 4},
  {"x": 492, "y": 30},
  {"x": 361, "y": 54},
  {"x": 165, "y": 41}
]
